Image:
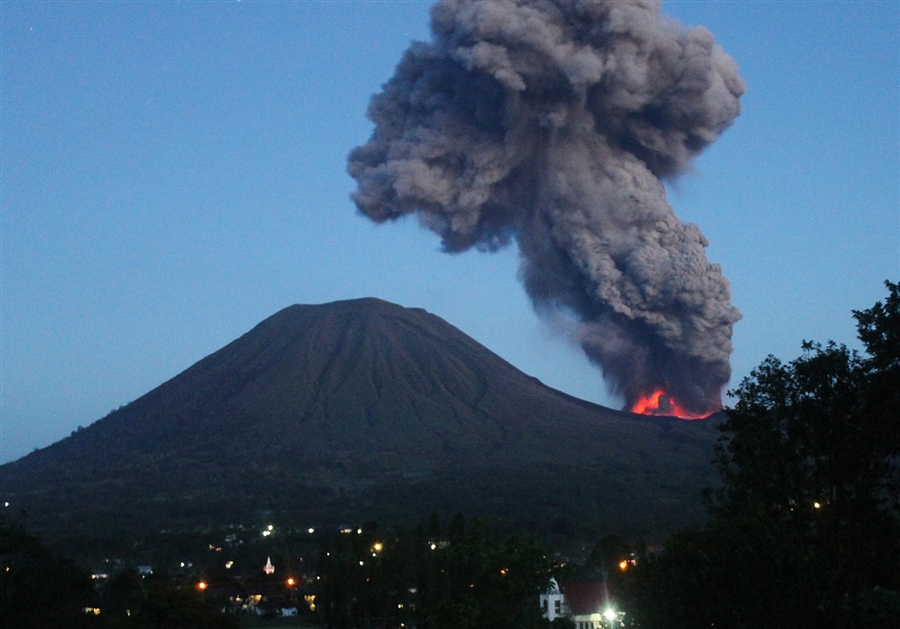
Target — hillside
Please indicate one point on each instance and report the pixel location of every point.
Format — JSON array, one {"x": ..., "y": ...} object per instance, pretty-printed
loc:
[{"x": 361, "y": 409}]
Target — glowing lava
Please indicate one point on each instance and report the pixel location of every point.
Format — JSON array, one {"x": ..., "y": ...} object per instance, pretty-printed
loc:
[
  {"x": 658, "y": 403},
  {"x": 647, "y": 405}
]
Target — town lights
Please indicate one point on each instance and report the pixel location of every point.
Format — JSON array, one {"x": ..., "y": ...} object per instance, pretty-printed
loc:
[{"x": 610, "y": 614}]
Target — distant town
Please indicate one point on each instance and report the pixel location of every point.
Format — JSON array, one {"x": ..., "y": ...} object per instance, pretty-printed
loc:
[{"x": 355, "y": 576}]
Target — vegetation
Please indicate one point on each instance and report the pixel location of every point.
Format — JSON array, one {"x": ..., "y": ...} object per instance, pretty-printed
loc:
[
  {"x": 38, "y": 589},
  {"x": 462, "y": 576},
  {"x": 130, "y": 602},
  {"x": 806, "y": 527}
]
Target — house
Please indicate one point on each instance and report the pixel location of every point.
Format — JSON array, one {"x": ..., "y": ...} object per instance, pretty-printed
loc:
[{"x": 586, "y": 603}]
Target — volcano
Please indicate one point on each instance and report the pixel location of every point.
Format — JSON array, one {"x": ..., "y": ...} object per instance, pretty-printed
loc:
[{"x": 362, "y": 409}]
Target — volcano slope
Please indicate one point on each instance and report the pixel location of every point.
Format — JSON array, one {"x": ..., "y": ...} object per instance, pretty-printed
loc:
[{"x": 355, "y": 410}]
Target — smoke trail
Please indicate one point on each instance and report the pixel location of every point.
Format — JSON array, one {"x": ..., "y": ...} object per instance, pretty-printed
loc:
[{"x": 551, "y": 122}]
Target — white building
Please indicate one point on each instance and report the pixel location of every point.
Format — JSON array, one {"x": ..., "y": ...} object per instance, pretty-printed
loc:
[{"x": 551, "y": 602}]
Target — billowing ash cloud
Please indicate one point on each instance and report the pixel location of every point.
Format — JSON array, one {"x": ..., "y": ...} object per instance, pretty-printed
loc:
[{"x": 550, "y": 123}]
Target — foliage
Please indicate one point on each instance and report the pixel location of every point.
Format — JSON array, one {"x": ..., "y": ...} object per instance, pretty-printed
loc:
[
  {"x": 457, "y": 577},
  {"x": 164, "y": 606},
  {"x": 806, "y": 526},
  {"x": 38, "y": 589}
]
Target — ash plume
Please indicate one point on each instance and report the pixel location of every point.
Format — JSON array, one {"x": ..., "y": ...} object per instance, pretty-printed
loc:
[{"x": 551, "y": 123}]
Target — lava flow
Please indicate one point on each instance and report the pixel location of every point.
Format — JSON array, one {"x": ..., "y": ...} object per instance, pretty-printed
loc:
[{"x": 658, "y": 403}]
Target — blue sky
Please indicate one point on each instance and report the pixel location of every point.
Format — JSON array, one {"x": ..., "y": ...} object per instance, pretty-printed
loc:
[{"x": 174, "y": 172}]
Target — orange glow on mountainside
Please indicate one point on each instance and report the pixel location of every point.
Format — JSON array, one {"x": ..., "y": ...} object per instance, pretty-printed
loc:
[{"x": 658, "y": 403}]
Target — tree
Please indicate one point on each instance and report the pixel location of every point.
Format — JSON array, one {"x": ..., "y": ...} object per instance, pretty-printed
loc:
[
  {"x": 806, "y": 526},
  {"x": 465, "y": 576},
  {"x": 164, "y": 606},
  {"x": 813, "y": 448},
  {"x": 37, "y": 588}
]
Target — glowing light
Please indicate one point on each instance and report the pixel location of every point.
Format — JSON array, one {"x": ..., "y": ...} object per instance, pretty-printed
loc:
[
  {"x": 291, "y": 582},
  {"x": 433, "y": 546},
  {"x": 610, "y": 614},
  {"x": 817, "y": 505},
  {"x": 658, "y": 403},
  {"x": 377, "y": 547},
  {"x": 623, "y": 565},
  {"x": 266, "y": 533},
  {"x": 503, "y": 572},
  {"x": 311, "y": 530},
  {"x": 202, "y": 585},
  {"x": 228, "y": 565},
  {"x": 646, "y": 405}
]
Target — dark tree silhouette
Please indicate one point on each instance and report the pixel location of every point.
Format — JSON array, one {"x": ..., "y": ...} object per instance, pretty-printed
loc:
[
  {"x": 38, "y": 589},
  {"x": 806, "y": 526}
]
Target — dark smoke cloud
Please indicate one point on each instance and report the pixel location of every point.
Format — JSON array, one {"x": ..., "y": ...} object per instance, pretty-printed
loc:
[{"x": 551, "y": 123}]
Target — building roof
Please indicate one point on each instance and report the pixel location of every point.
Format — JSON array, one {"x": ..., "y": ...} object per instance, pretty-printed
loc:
[{"x": 585, "y": 597}]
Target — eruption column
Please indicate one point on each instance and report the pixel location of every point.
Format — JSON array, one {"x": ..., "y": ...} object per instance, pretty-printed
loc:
[{"x": 551, "y": 123}]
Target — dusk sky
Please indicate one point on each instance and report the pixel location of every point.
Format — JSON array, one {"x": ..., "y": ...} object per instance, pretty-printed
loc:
[{"x": 175, "y": 172}]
